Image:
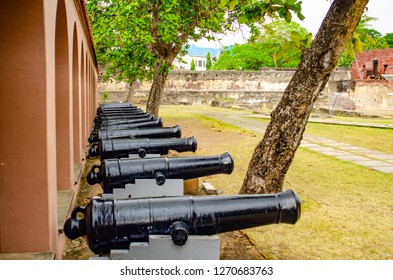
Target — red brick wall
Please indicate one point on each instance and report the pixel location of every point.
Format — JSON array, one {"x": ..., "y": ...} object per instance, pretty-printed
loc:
[{"x": 366, "y": 58}]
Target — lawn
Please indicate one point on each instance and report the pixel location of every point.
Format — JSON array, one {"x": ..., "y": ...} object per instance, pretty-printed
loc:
[{"x": 346, "y": 209}]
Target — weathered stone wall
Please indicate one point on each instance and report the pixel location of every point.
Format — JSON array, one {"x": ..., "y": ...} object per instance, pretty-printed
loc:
[
  {"x": 224, "y": 88},
  {"x": 373, "y": 94}
]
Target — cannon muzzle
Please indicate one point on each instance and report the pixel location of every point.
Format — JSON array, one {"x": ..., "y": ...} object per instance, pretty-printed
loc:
[
  {"x": 114, "y": 224},
  {"x": 116, "y": 173},
  {"x": 121, "y": 148}
]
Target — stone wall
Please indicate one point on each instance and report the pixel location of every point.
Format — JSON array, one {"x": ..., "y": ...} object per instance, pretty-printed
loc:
[
  {"x": 252, "y": 89},
  {"x": 374, "y": 94}
]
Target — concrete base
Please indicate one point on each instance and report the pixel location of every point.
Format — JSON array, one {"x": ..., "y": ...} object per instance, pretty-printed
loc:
[
  {"x": 147, "y": 188},
  {"x": 161, "y": 247},
  {"x": 135, "y": 156}
]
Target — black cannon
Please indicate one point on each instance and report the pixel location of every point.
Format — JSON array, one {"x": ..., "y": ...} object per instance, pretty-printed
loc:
[
  {"x": 143, "y": 132},
  {"x": 117, "y": 111},
  {"x": 106, "y": 118},
  {"x": 121, "y": 148},
  {"x": 124, "y": 121},
  {"x": 113, "y": 106},
  {"x": 153, "y": 123},
  {"x": 116, "y": 104},
  {"x": 116, "y": 173},
  {"x": 114, "y": 224}
]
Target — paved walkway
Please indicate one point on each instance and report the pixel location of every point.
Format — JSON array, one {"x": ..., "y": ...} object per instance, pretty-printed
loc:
[{"x": 369, "y": 158}]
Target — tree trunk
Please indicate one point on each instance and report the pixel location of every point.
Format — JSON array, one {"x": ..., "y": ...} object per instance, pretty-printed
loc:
[
  {"x": 274, "y": 154},
  {"x": 360, "y": 72},
  {"x": 131, "y": 90},
  {"x": 157, "y": 87}
]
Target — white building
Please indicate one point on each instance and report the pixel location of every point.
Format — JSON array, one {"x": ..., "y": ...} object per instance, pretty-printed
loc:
[{"x": 199, "y": 55}]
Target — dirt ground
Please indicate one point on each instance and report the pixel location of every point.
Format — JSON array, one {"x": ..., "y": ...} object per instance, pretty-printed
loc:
[{"x": 234, "y": 245}]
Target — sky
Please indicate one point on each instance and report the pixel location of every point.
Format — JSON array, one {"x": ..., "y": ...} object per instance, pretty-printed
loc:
[{"x": 314, "y": 12}]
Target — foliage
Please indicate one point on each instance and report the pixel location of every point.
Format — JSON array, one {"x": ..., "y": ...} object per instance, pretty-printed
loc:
[
  {"x": 130, "y": 36},
  {"x": 364, "y": 38},
  {"x": 208, "y": 61},
  {"x": 278, "y": 44},
  {"x": 139, "y": 39},
  {"x": 257, "y": 11},
  {"x": 118, "y": 43},
  {"x": 244, "y": 57},
  {"x": 193, "y": 67},
  {"x": 389, "y": 39}
]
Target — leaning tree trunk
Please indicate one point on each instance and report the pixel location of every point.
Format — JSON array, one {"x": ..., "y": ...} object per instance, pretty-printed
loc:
[
  {"x": 157, "y": 87},
  {"x": 361, "y": 73},
  {"x": 130, "y": 91},
  {"x": 274, "y": 154}
]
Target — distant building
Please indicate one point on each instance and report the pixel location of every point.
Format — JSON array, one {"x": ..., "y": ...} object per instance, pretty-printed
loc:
[
  {"x": 373, "y": 64},
  {"x": 199, "y": 55}
]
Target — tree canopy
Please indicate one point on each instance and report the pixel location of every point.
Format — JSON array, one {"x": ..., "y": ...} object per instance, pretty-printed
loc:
[
  {"x": 364, "y": 38},
  {"x": 139, "y": 39},
  {"x": 389, "y": 39},
  {"x": 277, "y": 44}
]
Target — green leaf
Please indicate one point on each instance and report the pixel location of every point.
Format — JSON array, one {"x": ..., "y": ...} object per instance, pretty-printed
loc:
[
  {"x": 223, "y": 3},
  {"x": 243, "y": 19},
  {"x": 233, "y": 4},
  {"x": 288, "y": 16}
]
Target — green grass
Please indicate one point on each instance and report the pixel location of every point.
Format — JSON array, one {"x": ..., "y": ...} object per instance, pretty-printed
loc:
[
  {"x": 366, "y": 137},
  {"x": 382, "y": 120},
  {"x": 379, "y": 139},
  {"x": 208, "y": 121},
  {"x": 346, "y": 209},
  {"x": 346, "y": 212}
]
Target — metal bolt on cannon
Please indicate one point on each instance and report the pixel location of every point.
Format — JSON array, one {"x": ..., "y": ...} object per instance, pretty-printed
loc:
[{"x": 143, "y": 199}]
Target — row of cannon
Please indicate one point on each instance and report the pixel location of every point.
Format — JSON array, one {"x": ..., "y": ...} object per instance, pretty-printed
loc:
[{"x": 133, "y": 145}]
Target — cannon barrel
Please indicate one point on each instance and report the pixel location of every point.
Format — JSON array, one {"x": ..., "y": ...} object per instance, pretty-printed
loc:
[
  {"x": 113, "y": 106},
  {"x": 123, "y": 121},
  {"x": 120, "y": 148},
  {"x": 123, "y": 111},
  {"x": 105, "y": 118},
  {"x": 112, "y": 110},
  {"x": 143, "y": 132},
  {"x": 151, "y": 123},
  {"x": 114, "y": 224},
  {"x": 116, "y": 173},
  {"x": 117, "y": 104}
]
